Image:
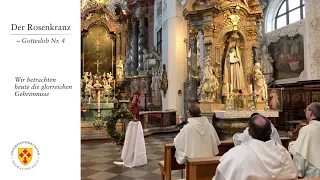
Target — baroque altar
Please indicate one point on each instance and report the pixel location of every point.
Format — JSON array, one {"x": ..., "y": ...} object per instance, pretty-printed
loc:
[{"x": 227, "y": 79}]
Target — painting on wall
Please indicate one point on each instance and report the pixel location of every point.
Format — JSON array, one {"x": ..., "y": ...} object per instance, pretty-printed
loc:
[
  {"x": 97, "y": 51},
  {"x": 288, "y": 53},
  {"x": 275, "y": 99}
]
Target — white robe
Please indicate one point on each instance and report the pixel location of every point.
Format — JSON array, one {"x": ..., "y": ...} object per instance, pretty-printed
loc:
[
  {"x": 196, "y": 139},
  {"x": 239, "y": 138},
  {"x": 134, "y": 148},
  {"x": 305, "y": 150},
  {"x": 256, "y": 159}
]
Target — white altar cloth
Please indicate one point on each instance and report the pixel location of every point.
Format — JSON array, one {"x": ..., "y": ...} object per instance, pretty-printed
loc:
[
  {"x": 134, "y": 149},
  {"x": 244, "y": 114}
]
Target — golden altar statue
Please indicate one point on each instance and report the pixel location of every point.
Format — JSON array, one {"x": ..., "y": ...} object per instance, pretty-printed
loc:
[{"x": 231, "y": 27}]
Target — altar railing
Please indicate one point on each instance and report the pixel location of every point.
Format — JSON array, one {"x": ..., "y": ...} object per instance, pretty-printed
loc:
[{"x": 157, "y": 119}]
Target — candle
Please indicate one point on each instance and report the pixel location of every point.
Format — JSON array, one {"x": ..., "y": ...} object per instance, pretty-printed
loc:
[
  {"x": 267, "y": 93},
  {"x": 231, "y": 88},
  {"x": 250, "y": 89},
  {"x": 227, "y": 89},
  {"x": 98, "y": 101},
  {"x": 114, "y": 85}
]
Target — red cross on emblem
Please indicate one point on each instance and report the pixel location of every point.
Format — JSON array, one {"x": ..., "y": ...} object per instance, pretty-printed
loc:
[{"x": 25, "y": 155}]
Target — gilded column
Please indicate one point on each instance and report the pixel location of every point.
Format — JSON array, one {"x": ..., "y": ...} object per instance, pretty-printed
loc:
[
  {"x": 128, "y": 54},
  {"x": 123, "y": 44},
  {"x": 150, "y": 32},
  {"x": 134, "y": 47},
  {"x": 118, "y": 46},
  {"x": 193, "y": 64},
  {"x": 208, "y": 31},
  {"x": 141, "y": 42}
]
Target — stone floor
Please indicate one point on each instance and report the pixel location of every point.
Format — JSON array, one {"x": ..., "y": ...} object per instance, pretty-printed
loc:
[{"x": 97, "y": 159}]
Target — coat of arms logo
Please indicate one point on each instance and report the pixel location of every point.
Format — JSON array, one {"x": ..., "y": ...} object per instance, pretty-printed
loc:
[{"x": 25, "y": 155}]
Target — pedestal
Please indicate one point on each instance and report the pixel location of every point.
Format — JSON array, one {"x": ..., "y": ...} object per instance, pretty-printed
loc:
[
  {"x": 206, "y": 107},
  {"x": 261, "y": 105}
]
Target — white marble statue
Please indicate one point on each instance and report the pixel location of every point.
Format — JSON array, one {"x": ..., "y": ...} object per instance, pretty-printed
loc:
[
  {"x": 97, "y": 84},
  {"x": 156, "y": 85},
  {"x": 119, "y": 68},
  {"x": 88, "y": 89},
  {"x": 145, "y": 58},
  {"x": 85, "y": 77},
  {"x": 208, "y": 84},
  {"x": 233, "y": 70},
  {"x": 266, "y": 64},
  {"x": 260, "y": 85},
  {"x": 107, "y": 84}
]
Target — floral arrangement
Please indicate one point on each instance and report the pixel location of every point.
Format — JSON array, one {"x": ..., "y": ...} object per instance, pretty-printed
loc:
[
  {"x": 121, "y": 114},
  {"x": 239, "y": 100},
  {"x": 254, "y": 97}
]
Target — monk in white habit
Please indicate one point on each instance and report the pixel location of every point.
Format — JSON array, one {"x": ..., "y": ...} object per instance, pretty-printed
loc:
[
  {"x": 239, "y": 138},
  {"x": 198, "y": 138},
  {"x": 305, "y": 149},
  {"x": 258, "y": 158}
]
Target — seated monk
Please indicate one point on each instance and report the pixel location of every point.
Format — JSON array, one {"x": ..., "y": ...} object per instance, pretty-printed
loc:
[
  {"x": 239, "y": 138},
  {"x": 305, "y": 149},
  {"x": 198, "y": 138},
  {"x": 258, "y": 158}
]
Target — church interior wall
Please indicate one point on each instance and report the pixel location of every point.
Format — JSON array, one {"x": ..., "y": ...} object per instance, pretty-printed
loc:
[
  {"x": 298, "y": 92},
  {"x": 174, "y": 31},
  {"x": 308, "y": 28}
]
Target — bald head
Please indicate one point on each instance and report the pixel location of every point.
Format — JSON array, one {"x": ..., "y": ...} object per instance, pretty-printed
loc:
[
  {"x": 260, "y": 127},
  {"x": 315, "y": 109},
  {"x": 194, "y": 111}
]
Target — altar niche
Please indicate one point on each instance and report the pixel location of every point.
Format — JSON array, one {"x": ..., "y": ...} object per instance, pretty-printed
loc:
[{"x": 97, "y": 49}]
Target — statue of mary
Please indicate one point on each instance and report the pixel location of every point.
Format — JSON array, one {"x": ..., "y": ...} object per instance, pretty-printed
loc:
[{"x": 233, "y": 70}]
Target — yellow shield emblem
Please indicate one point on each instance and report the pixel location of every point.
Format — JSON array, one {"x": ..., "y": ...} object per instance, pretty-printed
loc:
[{"x": 25, "y": 155}]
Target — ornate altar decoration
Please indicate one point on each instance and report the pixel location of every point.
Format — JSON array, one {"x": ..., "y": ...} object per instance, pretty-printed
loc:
[
  {"x": 232, "y": 28},
  {"x": 119, "y": 70},
  {"x": 103, "y": 33},
  {"x": 260, "y": 84},
  {"x": 164, "y": 81},
  {"x": 208, "y": 84}
]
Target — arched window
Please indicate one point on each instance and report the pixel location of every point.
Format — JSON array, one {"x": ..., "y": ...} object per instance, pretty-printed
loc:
[{"x": 290, "y": 11}]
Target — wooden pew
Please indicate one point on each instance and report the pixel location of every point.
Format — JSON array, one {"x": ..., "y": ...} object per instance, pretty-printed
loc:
[
  {"x": 169, "y": 163},
  {"x": 225, "y": 146},
  {"x": 201, "y": 168}
]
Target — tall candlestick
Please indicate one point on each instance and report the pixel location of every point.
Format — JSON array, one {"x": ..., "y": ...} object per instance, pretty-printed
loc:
[
  {"x": 98, "y": 101},
  {"x": 114, "y": 88},
  {"x": 250, "y": 89},
  {"x": 267, "y": 93},
  {"x": 227, "y": 89}
]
